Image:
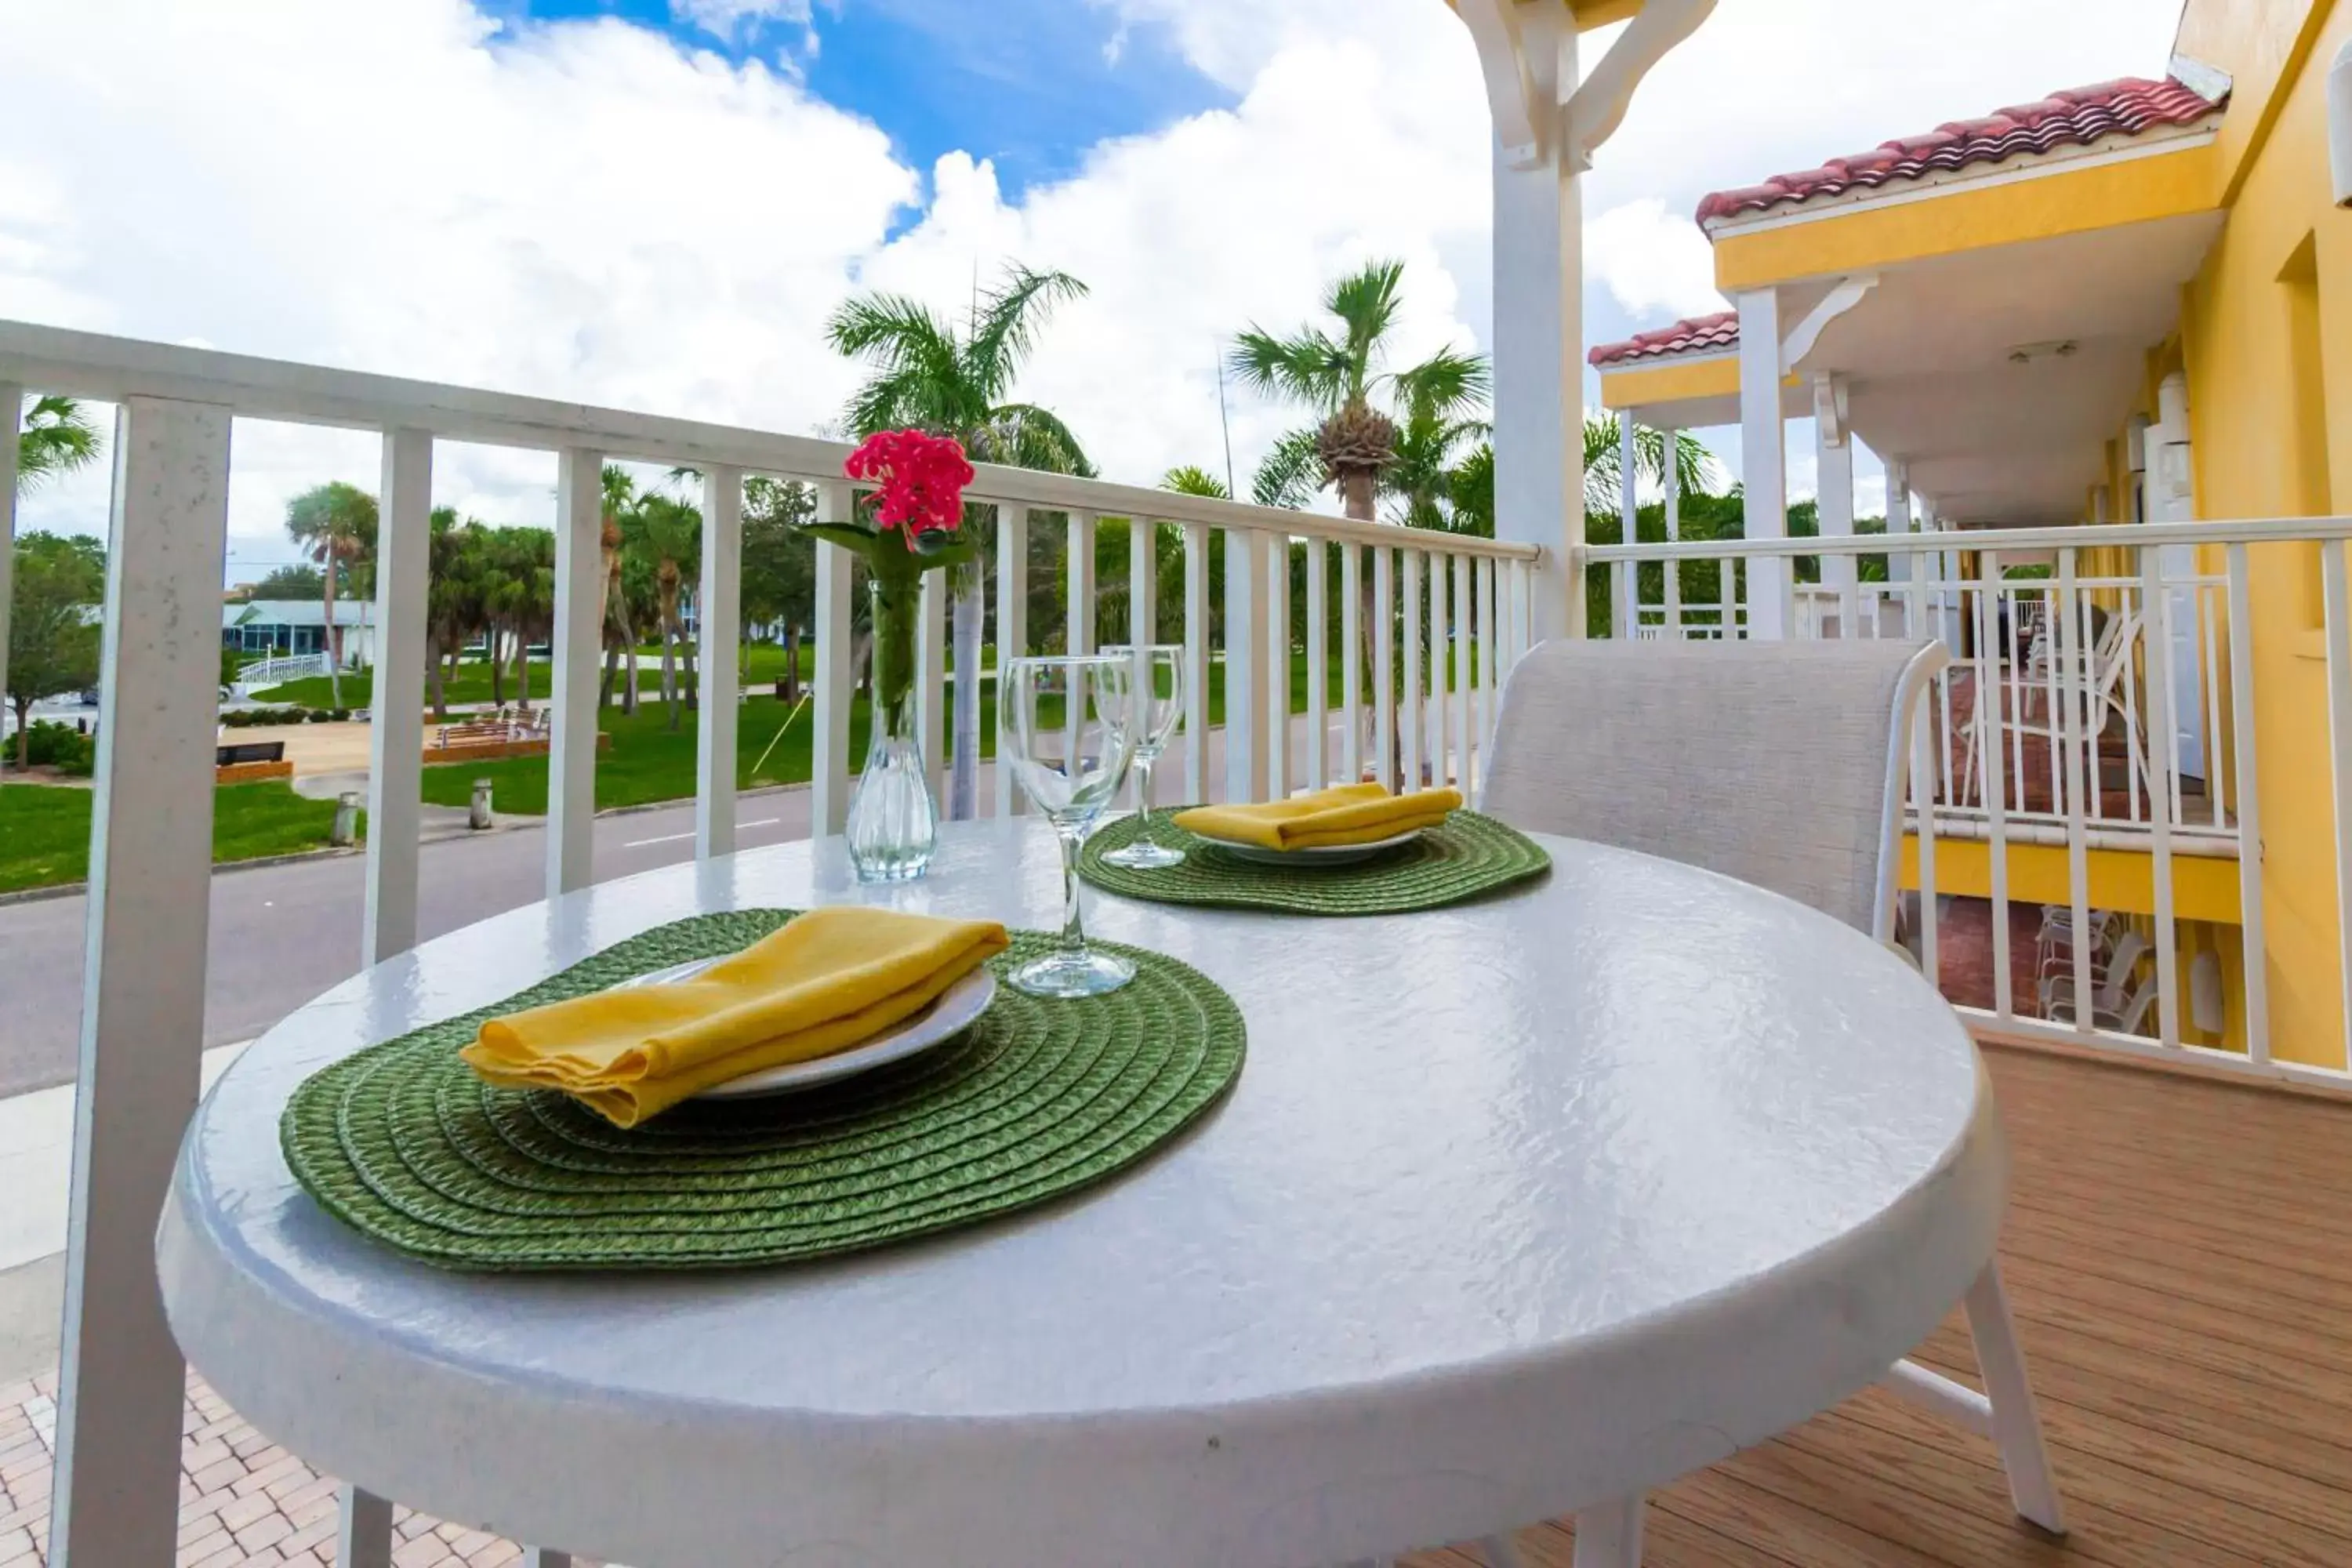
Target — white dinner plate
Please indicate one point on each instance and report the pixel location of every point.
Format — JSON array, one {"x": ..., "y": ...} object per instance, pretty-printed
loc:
[
  {"x": 957, "y": 1009},
  {"x": 1316, "y": 855}
]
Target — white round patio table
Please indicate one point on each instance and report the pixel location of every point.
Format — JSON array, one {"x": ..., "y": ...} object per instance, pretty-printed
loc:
[{"x": 1517, "y": 1208}]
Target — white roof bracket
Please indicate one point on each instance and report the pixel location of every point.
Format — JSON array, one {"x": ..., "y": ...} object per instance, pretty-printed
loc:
[
  {"x": 1519, "y": 115},
  {"x": 1598, "y": 107},
  {"x": 1850, "y": 291}
]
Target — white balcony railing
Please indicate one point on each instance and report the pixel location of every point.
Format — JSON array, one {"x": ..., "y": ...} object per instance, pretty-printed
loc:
[
  {"x": 1447, "y": 616},
  {"x": 2090, "y": 763}
]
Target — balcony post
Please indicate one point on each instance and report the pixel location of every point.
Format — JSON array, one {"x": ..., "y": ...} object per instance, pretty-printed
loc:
[
  {"x": 1672, "y": 570},
  {"x": 12, "y": 415},
  {"x": 1898, "y": 518},
  {"x": 579, "y": 640},
  {"x": 1246, "y": 630},
  {"x": 396, "y": 735},
  {"x": 718, "y": 630},
  {"x": 836, "y": 674},
  {"x": 1530, "y": 53},
  {"x": 1763, "y": 455},
  {"x": 1624, "y": 594},
  {"x": 116, "y": 1487}
]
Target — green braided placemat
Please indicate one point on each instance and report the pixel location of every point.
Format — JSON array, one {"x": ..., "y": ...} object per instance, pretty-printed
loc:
[
  {"x": 1035, "y": 1101},
  {"x": 1470, "y": 855}
]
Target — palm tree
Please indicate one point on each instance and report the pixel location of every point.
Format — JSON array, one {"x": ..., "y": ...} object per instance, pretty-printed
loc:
[
  {"x": 929, "y": 376},
  {"x": 667, "y": 535},
  {"x": 1695, "y": 469},
  {"x": 1354, "y": 445},
  {"x": 620, "y": 635},
  {"x": 57, "y": 437},
  {"x": 1190, "y": 479},
  {"x": 336, "y": 524}
]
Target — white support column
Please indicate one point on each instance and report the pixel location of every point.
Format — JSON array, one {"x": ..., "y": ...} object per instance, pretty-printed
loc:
[
  {"x": 1624, "y": 591},
  {"x": 12, "y": 416},
  {"x": 363, "y": 1531},
  {"x": 115, "y": 1491},
  {"x": 404, "y": 562},
  {"x": 1763, "y": 456},
  {"x": 836, "y": 665},
  {"x": 1245, "y": 774},
  {"x": 1012, "y": 636},
  {"x": 1539, "y": 363},
  {"x": 1834, "y": 463},
  {"x": 1900, "y": 520},
  {"x": 718, "y": 633},
  {"x": 579, "y": 642}
]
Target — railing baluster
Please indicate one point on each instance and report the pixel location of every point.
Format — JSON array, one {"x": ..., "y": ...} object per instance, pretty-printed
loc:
[
  {"x": 1441, "y": 673},
  {"x": 1278, "y": 666},
  {"x": 117, "y": 1476},
  {"x": 1012, "y": 639},
  {"x": 1923, "y": 797},
  {"x": 718, "y": 636},
  {"x": 1415, "y": 704},
  {"x": 931, "y": 679},
  {"x": 1351, "y": 663},
  {"x": 1196, "y": 661},
  {"x": 1464, "y": 678},
  {"x": 1078, "y": 636},
  {"x": 2162, "y": 767},
  {"x": 2250, "y": 915},
  {"x": 1993, "y": 785},
  {"x": 1245, "y": 771},
  {"x": 396, "y": 730},
  {"x": 1318, "y": 664},
  {"x": 1490, "y": 667},
  {"x": 836, "y": 674},
  {"x": 1384, "y": 714},
  {"x": 2338, "y": 598},
  {"x": 2209, "y": 615},
  {"x": 580, "y": 590},
  {"x": 1142, "y": 582},
  {"x": 2073, "y": 679},
  {"x": 1516, "y": 608}
]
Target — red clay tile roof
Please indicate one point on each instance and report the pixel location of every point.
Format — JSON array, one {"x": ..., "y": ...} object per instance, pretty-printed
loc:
[
  {"x": 2130, "y": 107},
  {"x": 1700, "y": 334}
]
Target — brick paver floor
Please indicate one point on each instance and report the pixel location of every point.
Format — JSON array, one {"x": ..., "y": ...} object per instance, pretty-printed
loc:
[{"x": 243, "y": 1499}]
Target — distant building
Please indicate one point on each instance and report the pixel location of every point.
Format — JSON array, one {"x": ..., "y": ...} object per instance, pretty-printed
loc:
[{"x": 299, "y": 625}]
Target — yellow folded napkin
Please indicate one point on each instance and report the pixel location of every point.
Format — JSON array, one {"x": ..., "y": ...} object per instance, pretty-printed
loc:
[
  {"x": 1347, "y": 814},
  {"x": 829, "y": 980}
]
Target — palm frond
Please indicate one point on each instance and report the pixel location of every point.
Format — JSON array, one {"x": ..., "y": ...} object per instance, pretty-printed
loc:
[
  {"x": 1311, "y": 367},
  {"x": 1365, "y": 302},
  {"x": 902, "y": 340},
  {"x": 1443, "y": 386},
  {"x": 1290, "y": 475},
  {"x": 1027, "y": 436},
  {"x": 1191, "y": 480},
  {"x": 1007, "y": 327},
  {"x": 57, "y": 437}
]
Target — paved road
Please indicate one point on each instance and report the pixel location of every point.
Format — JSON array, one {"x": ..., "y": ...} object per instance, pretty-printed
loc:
[{"x": 282, "y": 934}]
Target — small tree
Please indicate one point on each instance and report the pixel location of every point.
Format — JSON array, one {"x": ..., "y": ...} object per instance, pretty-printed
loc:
[
  {"x": 52, "y": 631},
  {"x": 337, "y": 524}
]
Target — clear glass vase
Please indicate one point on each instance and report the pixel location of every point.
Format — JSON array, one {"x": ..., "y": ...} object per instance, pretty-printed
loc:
[{"x": 894, "y": 822}]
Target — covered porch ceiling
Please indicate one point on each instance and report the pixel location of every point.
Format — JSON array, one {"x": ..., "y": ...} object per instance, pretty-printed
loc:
[{"x": 1997, "y": 376}]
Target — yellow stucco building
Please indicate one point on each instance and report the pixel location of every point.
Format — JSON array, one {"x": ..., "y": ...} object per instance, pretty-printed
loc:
[{"x": 2127, "y": 303}]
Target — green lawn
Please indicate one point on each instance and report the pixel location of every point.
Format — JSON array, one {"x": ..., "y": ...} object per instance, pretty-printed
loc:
[{"x": 45, "y": 829}]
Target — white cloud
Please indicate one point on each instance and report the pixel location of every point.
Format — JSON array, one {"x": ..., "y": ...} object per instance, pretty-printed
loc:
[
  {"x": 587, "y": 210},
  {"x": 1653, "y": 262},
  {"x": 728, "y": 18}
]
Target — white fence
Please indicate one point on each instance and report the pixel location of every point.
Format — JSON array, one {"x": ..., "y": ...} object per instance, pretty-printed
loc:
[
  {"x": 2087, "y": 766},
  {"x": 1445, "y": 615},
  {"x": 267, "y": 672}
]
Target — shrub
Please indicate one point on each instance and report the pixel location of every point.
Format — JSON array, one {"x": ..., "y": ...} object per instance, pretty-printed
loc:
[
  {"x": 321, "y": 716},
  {"x": 342, "y": 715},
  {"x": 62, "y": 747}
]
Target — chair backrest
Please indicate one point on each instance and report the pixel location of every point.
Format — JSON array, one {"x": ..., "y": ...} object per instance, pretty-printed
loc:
[{"x": 1781, "y": 764}]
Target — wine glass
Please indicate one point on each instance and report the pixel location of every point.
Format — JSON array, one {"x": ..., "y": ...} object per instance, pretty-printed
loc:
[
  {"x": 1070, "y": 740},
  {"x": 1158, "y": 703}
]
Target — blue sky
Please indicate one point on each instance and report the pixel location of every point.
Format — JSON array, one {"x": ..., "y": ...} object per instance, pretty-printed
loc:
[{"x": 1031, "y": 84}]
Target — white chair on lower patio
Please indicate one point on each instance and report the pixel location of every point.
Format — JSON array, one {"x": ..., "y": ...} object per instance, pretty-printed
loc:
[{"x": 1783, "y": 764}]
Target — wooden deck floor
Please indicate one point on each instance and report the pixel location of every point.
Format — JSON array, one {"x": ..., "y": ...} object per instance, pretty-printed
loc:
[{"x": 2179, "y": 1258}]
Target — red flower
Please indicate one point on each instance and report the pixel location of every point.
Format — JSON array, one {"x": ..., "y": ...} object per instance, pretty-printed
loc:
[{"x": 918, "y": 479}]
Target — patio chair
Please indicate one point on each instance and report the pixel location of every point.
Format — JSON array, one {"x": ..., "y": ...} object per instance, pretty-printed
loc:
[
  {"x": 1691, "y": 753},
  {"x": 2106, "y": 665}
]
